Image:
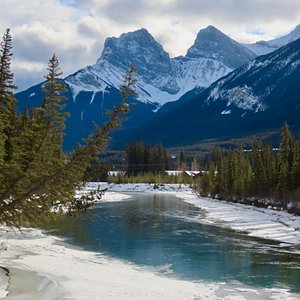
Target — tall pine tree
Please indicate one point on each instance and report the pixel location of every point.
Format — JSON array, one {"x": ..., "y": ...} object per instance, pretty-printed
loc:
[
  {"x": 7, "y": 99},
  {"x": 35, "y": 173},
  {"x": 53, "y": 104}
]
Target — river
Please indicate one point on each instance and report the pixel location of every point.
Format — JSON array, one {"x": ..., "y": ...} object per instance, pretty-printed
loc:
[{"x": 159, "y": 231}]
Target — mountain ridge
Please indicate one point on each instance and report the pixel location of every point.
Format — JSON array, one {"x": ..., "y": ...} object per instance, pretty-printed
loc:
[
  {"x": 163, "y": 82},
  {"x": 265, "y": 47},
  {"x": 161, "y": 79},
  {"x": 257, "y": 97}
]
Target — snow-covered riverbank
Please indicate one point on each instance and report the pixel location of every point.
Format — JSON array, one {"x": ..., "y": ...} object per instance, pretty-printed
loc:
[
  {"x": 77, "y": 274},
  {"x": 43, "y": 267}
]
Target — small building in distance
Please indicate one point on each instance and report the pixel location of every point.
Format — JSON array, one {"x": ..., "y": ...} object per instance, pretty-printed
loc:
[
  {"x": 116, "y": 173},
  {"x": 193, "y": 174},
  {"x": 173, "y": 172}
]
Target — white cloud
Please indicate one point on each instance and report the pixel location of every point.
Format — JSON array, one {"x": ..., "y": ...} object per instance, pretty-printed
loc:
[{"x": 76, "y": 29}]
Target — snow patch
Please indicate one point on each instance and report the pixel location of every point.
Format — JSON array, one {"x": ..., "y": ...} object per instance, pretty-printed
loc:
[
  {"x": 140, "y": 187},
  {"x": 263, "y": 223},
  {"x": 186, "y": 74},
  {"x": 240, "y": 96},
  {"x": 226, "y": 112},
  {"x": 93, "y": 97}
]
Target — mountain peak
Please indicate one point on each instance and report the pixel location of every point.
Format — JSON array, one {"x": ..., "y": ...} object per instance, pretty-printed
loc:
[
  {"x": 213, "y": 44},
  {"x": 130, "y": 42},
  {"x": 139, "y": 32},
  {"x": 140, "y": 49},
  {"x": 211, "y": 28},
  {"x": 137, "y": 35}
]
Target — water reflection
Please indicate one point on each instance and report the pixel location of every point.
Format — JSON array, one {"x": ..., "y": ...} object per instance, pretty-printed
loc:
[{"x": 158, "y": 231}]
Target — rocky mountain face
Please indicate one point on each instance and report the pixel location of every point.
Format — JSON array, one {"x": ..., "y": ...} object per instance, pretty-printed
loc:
[
  {"x": 163, "y": 83},
  {"x": 161, "y": 79},
  {"x": 215, "y": 45},
  {"x": 257, "y": 97}
]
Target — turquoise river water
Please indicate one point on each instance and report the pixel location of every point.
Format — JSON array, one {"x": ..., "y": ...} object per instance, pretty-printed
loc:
[{"x": 160, "y": 232}]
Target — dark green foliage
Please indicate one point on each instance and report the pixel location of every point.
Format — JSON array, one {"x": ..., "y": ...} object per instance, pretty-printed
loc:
[
  {"x": 261, "y": 172},
  {"x": 7, "y": 100},
  {"x": 142, "y": 159},
  {"x": 149, "y": 177},
  {"x": 35, "y": 174},
  {"x": 195, "y": 164},
  {"x": 285, "y": 161},
  {"x": 52, "y": 107},
  {"x": 181, "y": 163}
]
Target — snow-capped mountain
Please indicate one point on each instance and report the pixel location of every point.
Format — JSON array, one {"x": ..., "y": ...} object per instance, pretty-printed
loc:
[
  {"x": 265, "y": 47},
  {"x": 155, "y": 73},
  {"x": 257, "y": 97},
  {"x": 213, "y": 44},
  {"x": 161, "y": 79}
]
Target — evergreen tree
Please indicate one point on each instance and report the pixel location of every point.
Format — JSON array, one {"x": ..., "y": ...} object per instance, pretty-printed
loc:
[
  {"x": 159, "y": 158},
  {"x": 222, "y": 178},
  {"x": 35, "y": 174},
  {"x": 7, "y": 99},
  {"x": 296, "y": 167},
  {"x": 141, "y": 159},
  {"x": 270, "y": 162},
  {"x": 147, "y": 160},
  {"x": 54, "y": 90},
  {"x": 260, "y": 178},
  {"x": 212, "y": 179},
  {"x": 135, "y": 153},
  {"x": 195, "y": 164},
  {"x": 181, "y": 164},
  {"x": 285, "y": 163},
  {"x": 7, "y": 112},
  {"x": 205, "y": 184},
  {"x": 165, "y": 159},
  {"x": 260, "y": 172}
]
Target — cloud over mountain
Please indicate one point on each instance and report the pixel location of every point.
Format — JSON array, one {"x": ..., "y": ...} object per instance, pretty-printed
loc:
[{"x": 75, "y": 29}]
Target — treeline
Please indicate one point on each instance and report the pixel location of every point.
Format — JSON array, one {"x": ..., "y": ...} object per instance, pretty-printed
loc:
[
  {"x": 145, "y": 159},
  {"x": 159, "y": 179},
  {"x": 259, "y": 173},
  {"x": 35, "y": 174}
]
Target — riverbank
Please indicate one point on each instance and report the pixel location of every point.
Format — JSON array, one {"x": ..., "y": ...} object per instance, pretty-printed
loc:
[
  {"x": 78, "y": 274},
  {"x": 43, "y": 267}
]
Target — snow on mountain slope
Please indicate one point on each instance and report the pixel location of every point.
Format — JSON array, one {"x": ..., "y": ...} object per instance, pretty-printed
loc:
[
  {"x": 249, "y": 86},
  {"x": 265, "y": 47},
  {"x": 200, "y": 72},
  {"x": 256, "y": 98},
  {"x": 161, "y": 79}
]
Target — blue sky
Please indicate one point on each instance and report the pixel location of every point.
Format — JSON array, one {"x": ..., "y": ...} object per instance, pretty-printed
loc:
[
  {"x": 71, "y": 3},
  {"x": 76, "y": 29}
]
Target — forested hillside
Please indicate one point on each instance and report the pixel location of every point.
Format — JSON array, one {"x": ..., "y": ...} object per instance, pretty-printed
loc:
[{"x": 261, "y": 175}]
